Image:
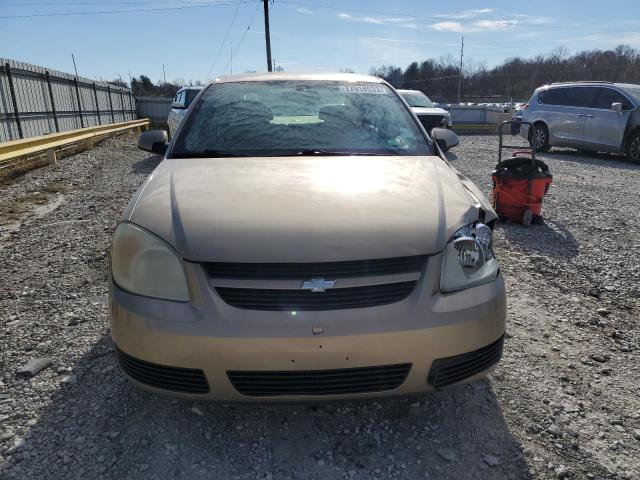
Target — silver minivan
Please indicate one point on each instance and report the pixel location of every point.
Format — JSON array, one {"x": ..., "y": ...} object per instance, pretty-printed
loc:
[
  {"x": 179, "y": 107},
  {"x": 590, "y": 116}
]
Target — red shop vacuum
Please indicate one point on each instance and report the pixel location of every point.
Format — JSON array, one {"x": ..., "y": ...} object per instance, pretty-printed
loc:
[{"x": 519, "y": 183}]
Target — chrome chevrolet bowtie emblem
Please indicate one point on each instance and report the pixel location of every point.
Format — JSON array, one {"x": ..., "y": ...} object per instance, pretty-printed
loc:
[{"x": 317, "y": 285}]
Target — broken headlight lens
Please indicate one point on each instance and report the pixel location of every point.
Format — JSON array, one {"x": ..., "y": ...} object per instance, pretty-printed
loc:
[
  {"x": 468, "y": 259},
  {"x": 143, "y": 264}
]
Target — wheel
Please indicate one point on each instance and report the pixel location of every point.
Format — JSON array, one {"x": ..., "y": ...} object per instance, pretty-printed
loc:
[
  {"x": 633, "y": 148},
  {"x": 527, "y": 218},
  {"x": 540, "y": 139}
]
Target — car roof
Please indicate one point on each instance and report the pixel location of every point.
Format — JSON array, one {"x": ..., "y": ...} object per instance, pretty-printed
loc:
[
  {"x": 627, "y": 85},
  {"x": 267, "y": 77},
  {"x": 407, "y": 90},
  {"x": 589, "y": 83}
]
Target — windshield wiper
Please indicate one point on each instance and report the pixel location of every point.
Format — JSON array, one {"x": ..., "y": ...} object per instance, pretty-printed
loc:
[
  {"x": 208, "y": 154},
  {"x": 334, "y": 153}
]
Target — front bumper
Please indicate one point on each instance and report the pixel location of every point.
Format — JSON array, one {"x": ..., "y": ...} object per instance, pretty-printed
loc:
[{"x": 209, "y": 335}]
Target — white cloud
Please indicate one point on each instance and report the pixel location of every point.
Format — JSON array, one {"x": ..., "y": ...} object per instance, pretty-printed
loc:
[
  {"x": 448, "y": 27},
  {"x": 467, "y": 13},
  {"x": 477, "y": 26},
  {"x": 305, "y": 11},
  {"x": 403, "y": 22},
  {"x": 494, "y": 24},
  {"x": 479, "y": 11}
]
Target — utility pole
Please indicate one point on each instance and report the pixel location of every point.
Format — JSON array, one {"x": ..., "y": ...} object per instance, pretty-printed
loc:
[
  {"x": 77, "y": 91},
  {"x": 164, "y": 77},
  {"x": 461, "y": 75},
  {"x": 267, "y": 35},
  {"x": 74, "y": 64}
]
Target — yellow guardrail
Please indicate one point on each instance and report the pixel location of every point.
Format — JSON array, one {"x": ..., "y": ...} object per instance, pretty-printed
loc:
[{"x": 18, "y": 151}]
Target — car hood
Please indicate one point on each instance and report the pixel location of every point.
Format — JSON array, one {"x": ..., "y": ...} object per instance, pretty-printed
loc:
[
  {"x": 303, "y": 209},
  {"x": 429, "y": 111}
]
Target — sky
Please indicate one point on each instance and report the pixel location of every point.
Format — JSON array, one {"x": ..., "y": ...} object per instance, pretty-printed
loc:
[{"x": 200, "y": 39}]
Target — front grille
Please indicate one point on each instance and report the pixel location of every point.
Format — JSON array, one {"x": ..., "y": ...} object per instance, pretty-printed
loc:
[
  {"x": 333, "y": 270},
  {"x": 319, "y": 382},
  {"x": 446, "y": 371},
  {"x": 185, "y": 380},
  {"x": 334, "y": 299},
  {"x": 430, "y": 121}
]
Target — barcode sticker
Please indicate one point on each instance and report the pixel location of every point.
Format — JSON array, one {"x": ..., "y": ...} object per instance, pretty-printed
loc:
[{"x": 374, "y": 89}]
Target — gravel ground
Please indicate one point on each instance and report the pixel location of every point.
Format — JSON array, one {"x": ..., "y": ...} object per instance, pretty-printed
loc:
[{"x": 564, "y": 402}]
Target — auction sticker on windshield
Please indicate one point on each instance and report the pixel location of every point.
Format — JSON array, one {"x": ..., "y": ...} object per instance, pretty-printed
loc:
[{"x": 377, "y": 89}]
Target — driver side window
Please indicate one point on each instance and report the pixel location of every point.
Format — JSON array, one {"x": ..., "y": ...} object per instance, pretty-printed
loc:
[{"x": 607, "y": 96}]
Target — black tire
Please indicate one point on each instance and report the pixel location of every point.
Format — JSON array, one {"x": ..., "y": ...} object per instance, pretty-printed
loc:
[
  {"x": 540, "y": 139},
  {"x": 633, "y": 148}
]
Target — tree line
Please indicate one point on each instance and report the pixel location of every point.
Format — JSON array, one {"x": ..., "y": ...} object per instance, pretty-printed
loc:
[
  {"x": 516, "y": 78},
  {"x": 142, "y": 86}
]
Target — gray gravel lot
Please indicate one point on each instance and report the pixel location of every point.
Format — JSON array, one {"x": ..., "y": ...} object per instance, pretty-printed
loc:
[{"x": 564, "y": 403}]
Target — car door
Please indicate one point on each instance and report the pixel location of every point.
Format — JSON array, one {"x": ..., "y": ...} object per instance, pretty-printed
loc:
[
  {"x": 571, "y": 116},
  {"x": 561, "y": 118},
  {"x": 604, "y": 127}
]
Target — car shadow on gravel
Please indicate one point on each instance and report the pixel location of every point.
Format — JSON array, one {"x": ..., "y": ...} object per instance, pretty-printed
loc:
[
  {"x": 451, "y": 156},
  {"x": 549, "y": 238},
  {"x": 146, "y": 166},
  {"x": 100, "y": 426},
  {"x": 592, "y": 158}
]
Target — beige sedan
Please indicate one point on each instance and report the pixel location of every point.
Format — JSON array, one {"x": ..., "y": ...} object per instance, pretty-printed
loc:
[{"x": 304, "y": 238}]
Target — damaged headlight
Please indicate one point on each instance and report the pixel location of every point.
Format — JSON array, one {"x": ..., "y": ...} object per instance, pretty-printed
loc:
[
  {"x": 469, "y": 259},
  {"x": 143, "y": 264}
]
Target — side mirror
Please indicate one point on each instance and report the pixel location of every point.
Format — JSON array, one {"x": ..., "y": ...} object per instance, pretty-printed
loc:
[
  {"x": 446, "y": 139},
  {"x": 178, "y": 106},
  {"x": 616, "y": 107},
  {"x": 154, "y": 141}
]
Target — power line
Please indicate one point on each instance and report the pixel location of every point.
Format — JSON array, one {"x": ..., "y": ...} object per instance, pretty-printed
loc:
[
  {"x": 517, "y": 23},
  {"x": 100, "y": 12},
  {"x": 243, "y": 35},
  {"x": 98, "y": 3},
  {"x": 226, "y": 35}
]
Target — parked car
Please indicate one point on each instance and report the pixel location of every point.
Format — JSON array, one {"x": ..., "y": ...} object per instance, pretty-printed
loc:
[
  {"x": 427, "y": 112},
  {"x": 590, "y": 116},
  {"x": 326, "y": 251},
  {"x": 516, "y": 119},
  {"x": 179, "y": 107}
]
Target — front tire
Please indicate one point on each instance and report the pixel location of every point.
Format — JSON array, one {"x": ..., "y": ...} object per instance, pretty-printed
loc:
[
  {"x": 540, "y": 139},
  {"x": 633, "y": 148}
]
